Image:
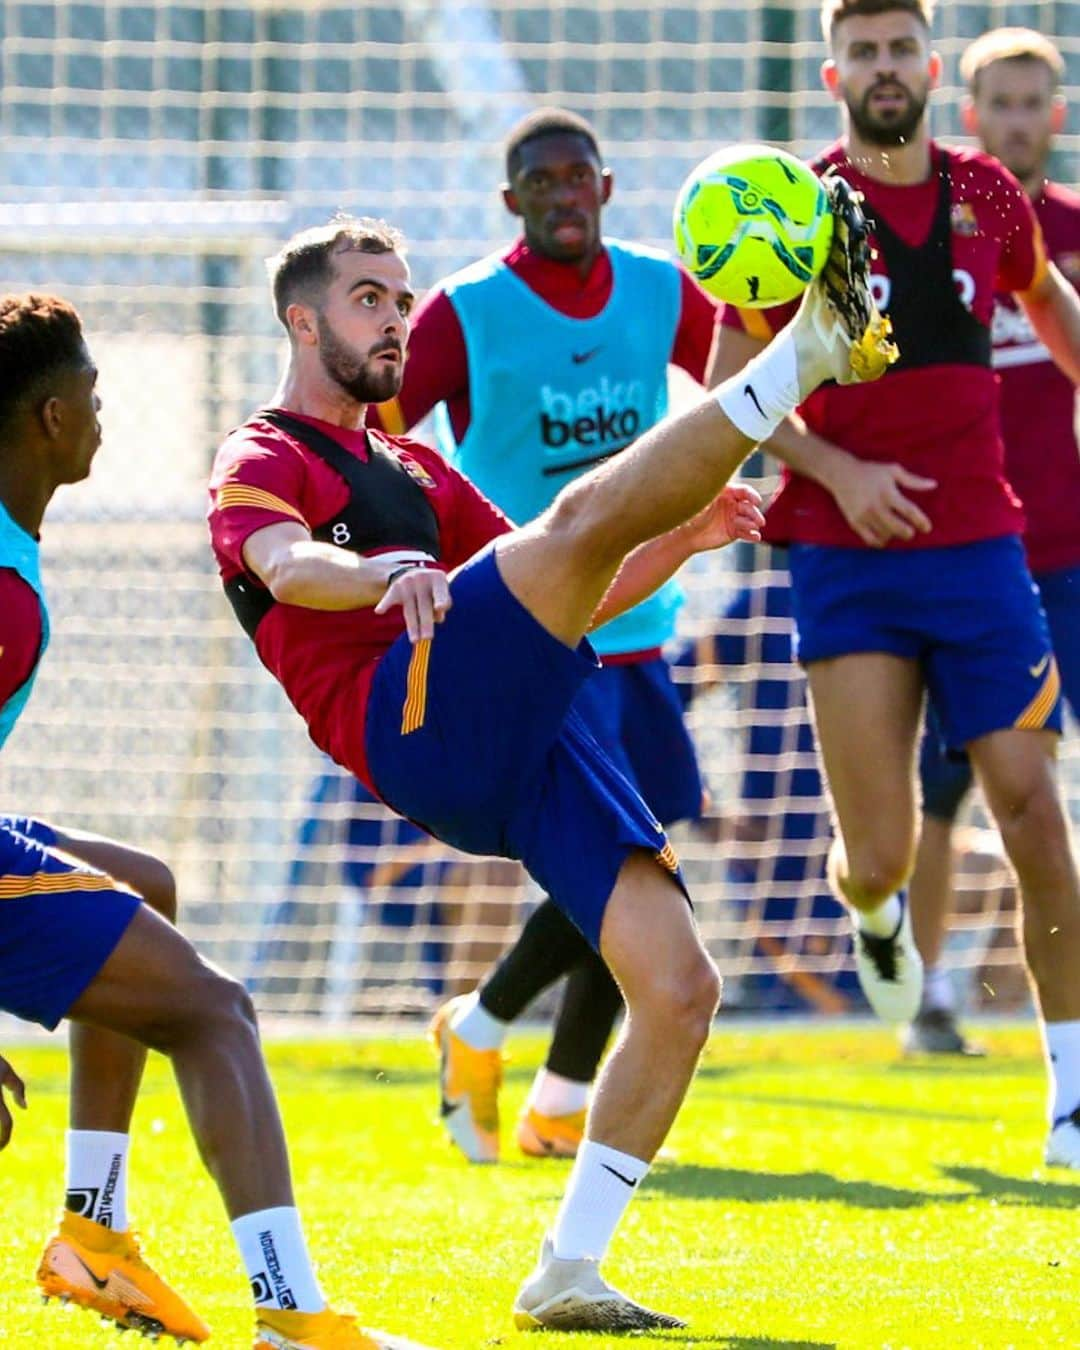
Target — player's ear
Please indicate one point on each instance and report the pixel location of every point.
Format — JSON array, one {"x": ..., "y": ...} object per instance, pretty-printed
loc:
[
  {"x": 302, "y": 326},
  {"x": 607, "y": 183},
  {"x": 510, "y": 200},
  {"x": 51, "y": 416},
  {"x": 969, "y": 117},
  {"x": 1057, "y": 114},
  {"x": 830, "y": 77}
]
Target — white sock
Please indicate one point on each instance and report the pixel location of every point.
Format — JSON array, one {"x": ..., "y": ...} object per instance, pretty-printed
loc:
[
  {"x": 601, "y": 1185},
  {"x": 96, "y": 1186},
  {"x": 553, "y": 1095},
  {"x": 1062, "y": 1042},
  {"x": 939, "y": 994},
  {"x": 275, "y": 1256},
  {"x": 761, "y": 395},
  {"x": 476, "y": 1026},
  {"x": 881, "y": 921}
]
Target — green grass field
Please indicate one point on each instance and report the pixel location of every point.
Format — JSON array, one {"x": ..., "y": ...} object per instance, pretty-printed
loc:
[{"x": 824, "y": 1193}]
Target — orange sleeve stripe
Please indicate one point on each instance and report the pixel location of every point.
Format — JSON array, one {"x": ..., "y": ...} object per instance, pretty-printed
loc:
[
  {"x": 415, "y": 709},
  {"x": 391, "y": 418},
  {"x": 54, "y": 883},
  {"x": 1042, "y": 705},
  {"x": 756, "y": 324},
  {"x": 241, "y": 494}
]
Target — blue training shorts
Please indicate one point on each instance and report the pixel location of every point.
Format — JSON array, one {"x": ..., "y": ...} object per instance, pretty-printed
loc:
[
  {"x": 634, "y": 710},
  {"x": 969, "y": 614},
  {"x": 946, "y": 775},
  {"x": 473, "y": 737},
  {"x": 59, "y": 924}
]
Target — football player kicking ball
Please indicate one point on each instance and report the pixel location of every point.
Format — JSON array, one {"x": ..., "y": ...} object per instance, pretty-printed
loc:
[
  {"x": 75, "y": 943},
  {"x": 907, "y": 566},
  {"x": 435, "y": 652}
]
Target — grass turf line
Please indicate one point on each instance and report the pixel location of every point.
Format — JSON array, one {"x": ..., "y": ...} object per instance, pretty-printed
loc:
[{"x": 826, "y": 1193}]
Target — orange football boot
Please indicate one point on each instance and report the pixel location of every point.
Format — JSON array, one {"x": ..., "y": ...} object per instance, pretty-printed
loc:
[
  {"x": 469, "y": 1081},
  {"x": 542, "y": 1136},
  {"x": 103, "y": 1271},
  {"x": 326, "y": 1330}
]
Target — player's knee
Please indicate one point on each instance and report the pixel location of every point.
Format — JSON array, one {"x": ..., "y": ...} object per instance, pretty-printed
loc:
[
  {"x": 579, "y": 516},
  {"x": 879, "y": 871},
  {"x": 685, "y": 1000},
  {"x": 157, "y": 886}
]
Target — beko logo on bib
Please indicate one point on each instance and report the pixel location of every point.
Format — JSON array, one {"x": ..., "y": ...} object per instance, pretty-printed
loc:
[{"x": 607, "y": 413}]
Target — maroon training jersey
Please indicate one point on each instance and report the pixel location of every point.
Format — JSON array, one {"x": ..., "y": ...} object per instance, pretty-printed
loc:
[
  {"x": 20, "y": 632},
  {"x": 325, "y": 660},
  {"x": 937, "y": 412},
  {"x": 437, "y": 368},
  {"x": 1038, "y": 404}
]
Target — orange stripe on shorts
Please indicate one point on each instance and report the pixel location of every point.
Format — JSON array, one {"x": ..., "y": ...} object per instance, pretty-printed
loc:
[
  {"x": 415, "y": 709},
  {"x": 1042, "y": 705}
]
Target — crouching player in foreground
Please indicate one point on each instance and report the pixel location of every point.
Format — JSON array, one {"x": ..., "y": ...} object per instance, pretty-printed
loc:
[
  {"x": 450, "y": 696},
  {"x": 74, "y": 943}
]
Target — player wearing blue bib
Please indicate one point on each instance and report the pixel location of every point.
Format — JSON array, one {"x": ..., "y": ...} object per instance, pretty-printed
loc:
[
  {"x": 76, "y": 943},
  {"x": 539, "y": 362}
]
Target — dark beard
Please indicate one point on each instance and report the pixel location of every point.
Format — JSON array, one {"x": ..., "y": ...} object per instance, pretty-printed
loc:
[
  {"x": 886, "y": 133},
  {"x": 350, "y": 372}
]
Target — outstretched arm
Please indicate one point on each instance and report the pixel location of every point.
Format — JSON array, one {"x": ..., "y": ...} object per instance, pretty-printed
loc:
[{"x": 734, "y": 514}]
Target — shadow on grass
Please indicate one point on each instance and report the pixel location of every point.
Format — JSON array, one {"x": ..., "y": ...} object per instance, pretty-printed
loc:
[
  {"x": 687, "y": 1182},
  {"x": 876, "y": 1109},
  {"x": 1014, "y": 1191},
  {"x": 740, "y": 1342}
]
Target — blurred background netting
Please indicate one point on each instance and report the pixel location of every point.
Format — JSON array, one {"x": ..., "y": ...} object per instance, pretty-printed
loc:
[{"x": 153, "y": 154}]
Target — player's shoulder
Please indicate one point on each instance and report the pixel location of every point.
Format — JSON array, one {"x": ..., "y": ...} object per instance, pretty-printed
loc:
[
  {"x": 970, "y": 167},
  {"x": 254, "y": 441},
  {"x": 641, "y": 253},
  {"x": 1058, "y": 199},
  {"x": 474, "y": 274}
]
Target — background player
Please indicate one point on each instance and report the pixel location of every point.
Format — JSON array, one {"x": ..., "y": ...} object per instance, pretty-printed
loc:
[
  {"x": 452, "y": 698},
  {"x": 1014, "y": 107},
  {"x": 543, "y": 361},
  {"x": 951, "y": 227},
  {"x": 74, "y": 943}
]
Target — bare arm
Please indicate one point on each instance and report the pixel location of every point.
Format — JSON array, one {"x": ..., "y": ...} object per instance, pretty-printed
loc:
[
  {"x": 869, "y": 494},
  {"x": 299, "y": 570},
  {"x": 734, "y": 514},
  {"x": 1054, "y": 310}
]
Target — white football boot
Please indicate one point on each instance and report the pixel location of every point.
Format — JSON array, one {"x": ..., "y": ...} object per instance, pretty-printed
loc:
[
  {"x": 1063, "y": 1146},
  {"x": 890, "y": 969},
  {"x": 574, "y": 1296}
]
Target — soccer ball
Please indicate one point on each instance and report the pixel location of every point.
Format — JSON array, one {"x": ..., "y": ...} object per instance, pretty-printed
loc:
[{"x": 753, "y": 225}]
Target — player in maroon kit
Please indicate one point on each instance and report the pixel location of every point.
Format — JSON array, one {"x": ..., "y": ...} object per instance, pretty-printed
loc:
[
  {"x": 907, "y": 567},
  {"x": 575, "y": 295},
  {"x": 1014, "y": 107},
  {"x": 436, "y": 652}
]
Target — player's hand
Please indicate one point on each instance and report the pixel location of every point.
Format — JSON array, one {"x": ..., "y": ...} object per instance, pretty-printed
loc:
[
  {"x": 9, "y": 1079},
  {"x": 424, "y": 596},
  {"x": 874, "y": 500},
  {"x": 734, "y": 514}
]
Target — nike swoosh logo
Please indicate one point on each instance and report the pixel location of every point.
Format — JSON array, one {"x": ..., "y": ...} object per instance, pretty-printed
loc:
[
  {"x": 100, "y": 1284},
  {"x": 629, "y": 1181},
  {"x": 579, "y": 358},
  {"x": 1036, "y": 671},
  {"x": 748, "y": 390}
]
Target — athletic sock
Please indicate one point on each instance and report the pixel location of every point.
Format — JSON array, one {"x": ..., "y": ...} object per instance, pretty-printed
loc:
[
  {"x": 97, "y": 1162},
  {"x": 1062, "y": 1042},
  {"x": 881, "y": 921},
  {"x": 601, "y": 1185},
  {"x": 761, "y": 395},
  {"x": 553, "y": 1095},
  {"x": 275, "y": 1256},
  {"x": 472, "y": 1022},
  {"x": 939, "y": 995}
]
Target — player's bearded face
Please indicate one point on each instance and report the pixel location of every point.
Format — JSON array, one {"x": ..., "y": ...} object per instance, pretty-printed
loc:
[
  {"x": 361, "y": 373},
  {"x": 889, "y": 112}
]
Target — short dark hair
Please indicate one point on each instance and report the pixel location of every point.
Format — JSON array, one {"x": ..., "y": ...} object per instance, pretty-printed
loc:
[
  {"x": 836, "y": 11},
  {"x": 1010, "y": 44},
  {"x": 304, "y": 267},
  {"x": 40, "y": 336},
  {"x": 545, "y": 122}
]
